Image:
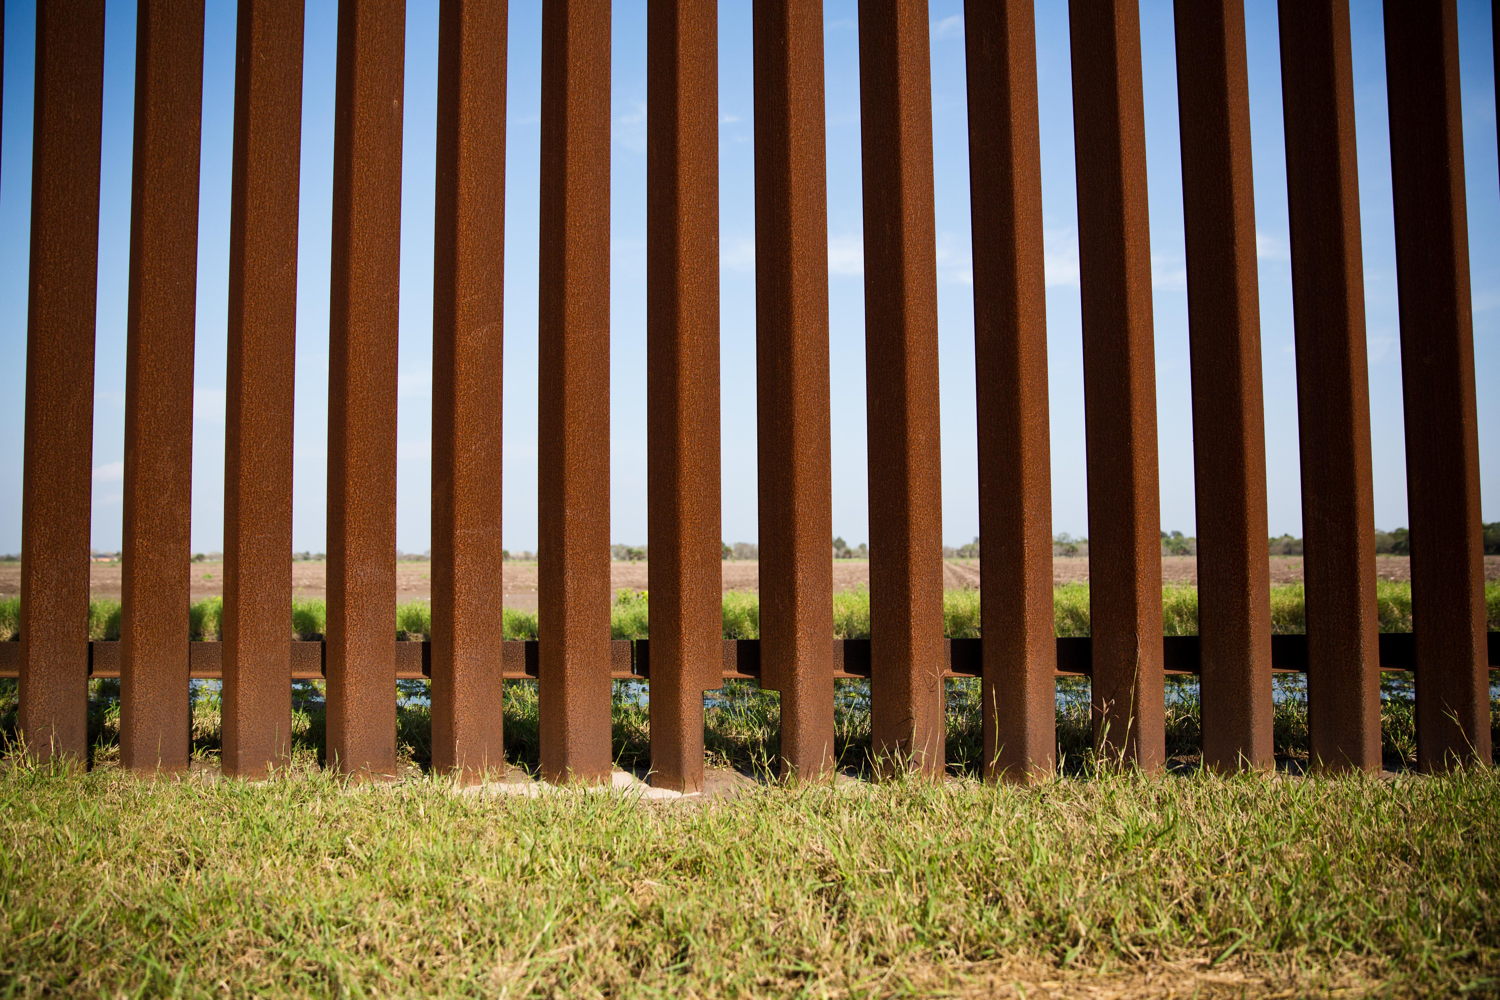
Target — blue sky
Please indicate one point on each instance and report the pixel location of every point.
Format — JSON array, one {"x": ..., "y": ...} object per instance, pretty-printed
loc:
[{"x": 628, "y": 299}]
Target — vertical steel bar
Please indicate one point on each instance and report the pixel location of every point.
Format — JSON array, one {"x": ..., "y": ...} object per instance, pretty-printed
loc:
[
  {"x": 1010, "y": 360},
  {"x": 1437, "y": 381},
  {"x": 573, "y": 425},
  {"x": 363, "y": 322},
  {"x": 901, "y": 359},
  {"x": 682, "y": 381},
  {"x": 792, "y": 388},
  {"x": 1229, "y": 437},
  {"x": 1119, "y": 382},
  {"x": 258, "y": 426},
  {"x": 468, "y": 352},
  {"x": 58, "y": 450},
  {"x": 1333, "y": 390},
  {"x": 160, "y": 321}
]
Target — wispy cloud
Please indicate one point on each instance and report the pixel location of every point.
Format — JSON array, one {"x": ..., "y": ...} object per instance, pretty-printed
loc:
[
  {"x": 949, "y": 27},
  {"x": 110, "y": 472},
  {"x": 1380, "y": 341},
  {"x": 846, "y": 254},
  {"x": 1485, "y": 298},
  {"x": 630, "y": 128},
  {"x": 414, "y": 384},
  {"x": 737, "y": 253},
  {"x": 1060, "y": 256},
  {"x": 1168, "y": 272},
  {"x": 725, "y": 118},
  {"x": 955, "y": 264},
  {"x": 209, "y": 406},
  {"x": 413, "y": 450},
  {"x": 1269, "y": 247}
]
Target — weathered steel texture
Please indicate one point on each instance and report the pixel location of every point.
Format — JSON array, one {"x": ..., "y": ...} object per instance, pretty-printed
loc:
[
  {"x": 1437, "y": 382},
  {"x": 1333, "y": 390},
  {"x": 1010, "y": 360},
  {"x": 160, "y": 320},
  {"x": 901, "y": 364},
  {"x": 682, "y": 379},
  {"x": 1119, "y": 375},
  {"x": 58, "y": 450},
  {"x": 258, "y": 419},
  {"x": 793, "y": 418},
  {"x": 573, "y": 424},
  {"x": 364, "y": 316},
  {"x": 467, "y": 353},
  {"x": 1229, "y": 438}
]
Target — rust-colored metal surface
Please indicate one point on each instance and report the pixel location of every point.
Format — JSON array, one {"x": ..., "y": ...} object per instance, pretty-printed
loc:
[
  {"x": 58, "y": 451},
  {"x": 257, "y": 698},
  {"x": 363, "y": 322},
  {"x": 1119, "y": 382},
  {"x": 1229, "y": 437},
  {"x": 573, "y": 425},
  {"x": 1333, "y": 390},
  {"x": 1437, "y": 381},
  {"x": 682, "y": 379},
  {"x": 793, "y": 448},
  {"x": 467, "y": 355},
  {"x": 160, "y": 325},
  {"x": 1010, "y": 359},
  {"x": 901, "y": 378}
]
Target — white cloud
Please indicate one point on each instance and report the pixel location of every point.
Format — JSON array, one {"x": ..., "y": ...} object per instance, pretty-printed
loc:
[
  {"x": 1168, "y": 272},
  {"x": 727, "y": 119},
  {"x": 737, "y": 254},
  {"x": 950, "y": 27},
  {"x": 955, "y": 266},
  {"x": 1485, "y": 298},
  {"x": 413, "y": 449},
  {"x": 846, "y": 254},
  {"x": 630, "y": 128},
  {"x": 1268, "y": 247},
  {"x": 1060, "y": 256},
  {"x": 414, "y": 384},
  {"x": 110, "y": 472},
  {"x": 1379, "y": 342},
  {"x": 209, "y": 406}
]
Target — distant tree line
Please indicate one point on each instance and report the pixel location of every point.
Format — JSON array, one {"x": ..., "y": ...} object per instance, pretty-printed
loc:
[
  {"x": 969, "y": 551},
  {"x": 1388, "y": 543},
  {"x": 841, "y": 550}
]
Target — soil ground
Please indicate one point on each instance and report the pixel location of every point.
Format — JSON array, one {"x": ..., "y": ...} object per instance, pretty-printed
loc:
[{"x": 519, "y": 580}]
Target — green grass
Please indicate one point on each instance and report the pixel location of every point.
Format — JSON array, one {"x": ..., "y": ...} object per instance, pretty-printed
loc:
[
  {"x": 629, "y": 618},
  {"x": 1096, "y": 882},
  {"x": 1116, "y": 885}
]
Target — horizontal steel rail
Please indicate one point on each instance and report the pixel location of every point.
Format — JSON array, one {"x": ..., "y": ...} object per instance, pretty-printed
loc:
[{"x": 630, "y": 660}]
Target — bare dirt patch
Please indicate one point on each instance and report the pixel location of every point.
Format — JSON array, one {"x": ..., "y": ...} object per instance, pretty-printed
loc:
[{"x": 518, "y": 581}]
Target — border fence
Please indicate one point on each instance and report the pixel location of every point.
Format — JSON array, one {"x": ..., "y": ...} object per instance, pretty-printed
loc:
[{"x": 907, "y": 659}]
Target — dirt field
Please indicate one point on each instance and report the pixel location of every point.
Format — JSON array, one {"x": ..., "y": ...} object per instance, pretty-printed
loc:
[{"x": 519, "y": 580}]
